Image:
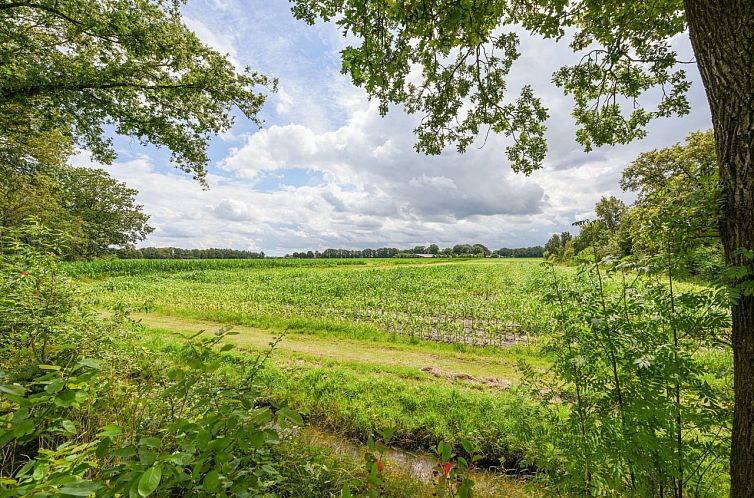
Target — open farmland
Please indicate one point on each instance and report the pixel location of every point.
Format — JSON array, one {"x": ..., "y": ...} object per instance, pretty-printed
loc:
[
  {"x": 487, "y": 302},
  {"x": 436, "y": 350},
  {"x": 427, "y": 347}
]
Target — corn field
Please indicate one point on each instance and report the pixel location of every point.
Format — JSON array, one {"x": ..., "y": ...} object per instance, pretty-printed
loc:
[{"x": 483, "y": 302}]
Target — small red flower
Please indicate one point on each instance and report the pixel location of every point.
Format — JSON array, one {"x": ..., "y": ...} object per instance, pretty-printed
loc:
[
  {"x": 380, "y": 465},
  {"x": 446, "y": 468}
]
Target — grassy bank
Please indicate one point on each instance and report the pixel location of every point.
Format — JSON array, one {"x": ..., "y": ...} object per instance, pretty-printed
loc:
[{"x": 355, "y": 388}]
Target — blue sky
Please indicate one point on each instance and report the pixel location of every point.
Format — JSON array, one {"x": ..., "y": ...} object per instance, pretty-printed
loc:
[{"x": 327, "y": 171}]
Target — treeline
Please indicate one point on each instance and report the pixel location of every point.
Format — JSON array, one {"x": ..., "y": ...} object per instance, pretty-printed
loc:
[
  {"x": 676, "y": 209},
  {"x": 178, "y": 253},
  {"x": 433, "y": 250}
]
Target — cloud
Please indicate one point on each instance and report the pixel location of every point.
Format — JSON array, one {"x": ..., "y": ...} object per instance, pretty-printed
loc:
[
  {"x": 283, "y": 101},
  {"x": 328, "y": 171},
  {"x": 375, "y": 155},
  {"x": 221, "y": 41},
  {"x": 231, "y": 209}
]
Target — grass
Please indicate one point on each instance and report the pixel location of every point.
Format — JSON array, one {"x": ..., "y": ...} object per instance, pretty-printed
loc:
[
  {"x": 479, "y": 301},
  {"x": 378, "y": 350},
  {"x": 355, "y": 388},
  {"x": 352, "y": 358},
  {"x": 410, "y": 473},
  {"x": 345, "y": 367}
]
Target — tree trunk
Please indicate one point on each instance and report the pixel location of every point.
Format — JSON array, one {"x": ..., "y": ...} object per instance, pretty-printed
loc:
[{"x": 722, "y": 34}]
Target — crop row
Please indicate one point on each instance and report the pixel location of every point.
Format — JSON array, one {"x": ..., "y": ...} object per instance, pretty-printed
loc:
[
  {"x": 131, "y": 267},
  {"x": 473, "y": 303}
]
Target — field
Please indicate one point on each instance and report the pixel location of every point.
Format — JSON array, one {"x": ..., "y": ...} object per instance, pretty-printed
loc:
[
  {"x": 487, "y": 302},
  {"x": 438, "y": 350},
  {"x": 429, "y": 348}
]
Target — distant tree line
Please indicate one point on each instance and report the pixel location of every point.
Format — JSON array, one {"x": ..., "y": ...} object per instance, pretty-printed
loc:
[
  {"x": 178, "y": 253},
  {"x": 458, "y": 250},
  {"x": 521, "y": 252}
]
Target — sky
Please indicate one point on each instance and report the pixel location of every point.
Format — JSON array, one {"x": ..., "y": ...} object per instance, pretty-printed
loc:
[{"x": 326, "y": 170}]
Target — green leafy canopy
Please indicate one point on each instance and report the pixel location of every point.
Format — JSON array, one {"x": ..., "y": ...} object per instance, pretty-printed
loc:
[
  {"x": 449, "y": 61},
  {"x": 83, "y": 67}
]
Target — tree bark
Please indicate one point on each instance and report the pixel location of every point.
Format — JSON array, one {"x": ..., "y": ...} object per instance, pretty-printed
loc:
[{"x": 722, "y": 34}]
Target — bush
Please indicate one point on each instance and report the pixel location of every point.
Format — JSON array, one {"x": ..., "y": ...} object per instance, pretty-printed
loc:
[
  {"x": 645, "y": 409},
  {"x": 84, "y": 411}
]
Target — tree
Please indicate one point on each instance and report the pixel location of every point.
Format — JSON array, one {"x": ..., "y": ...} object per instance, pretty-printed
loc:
[
  {"x": 27, "y": 185},
  {"x": 463, "y": 53},
  {"x": 553, "y": 246},
  {"x": 559, "y": 247},
  {"x": 481, "y": 250},
  {"x": 678, "y": 166},
  {"x": 80, "y": 65},
  {"x": 609, "y": 211},
  {"x": 92, "y": 209},
  {"x": 678, "y": 197},
  {"x": 462, "y": 250},
  {"x": 604, "y": 235},
  {"x": 23, "y": 195},
  {"x": 106, "y": 209}
]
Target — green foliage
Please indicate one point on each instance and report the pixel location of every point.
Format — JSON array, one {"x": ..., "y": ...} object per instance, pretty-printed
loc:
[
  {"x": 506, "y": 428},
  {"x": 459, "y": 250},
  {"x": 37, "y": 419},
  {"x": 178, "y": 253},
  {"x": 106, "y": 268},
  {"x": 524, "y": 430},
  {"x": 82, "y": 411},
  {"x": 678, "y": 203},
  {"x": 75, "y": 67},
  {"x": 28, "y": 189},
  {"x": 208, "y": 433},
  {"x": 95, "y": 211},
  {"x": 464, "y": 52},
  {"x": 461, "y": 303},
  {"x": 324, "y": 473},
  {"x": 103, "y": 208},
  {"x": 373, "y": 484},
  {"x": 451, "y": 471},
  {"x": 47, "y": 334},
  {"x": 645, "y": 412},
  {"x": 559, "y": 248},
  {"x": 449, "y": 476},
  {"x": 201, "y": 433},
  {"x": 741, "y": 277},
  {"x": 40, "y": 311},
  {"x": 610, "y": 211}
]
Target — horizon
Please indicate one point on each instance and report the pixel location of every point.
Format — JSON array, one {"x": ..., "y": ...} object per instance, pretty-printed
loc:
[{"x": 322, "y": 250}]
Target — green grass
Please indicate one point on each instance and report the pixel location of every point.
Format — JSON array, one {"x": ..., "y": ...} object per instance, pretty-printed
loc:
[
  {"x": 358, "y": 402},
  {"x": 370, "y": 386},
  {"x": 355, "y": 387},
  {"x": 352, "y": 358},
  {"x": 363, "y": 344},
  {"x": 356, "y": 341}
]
